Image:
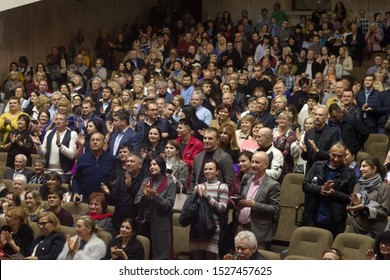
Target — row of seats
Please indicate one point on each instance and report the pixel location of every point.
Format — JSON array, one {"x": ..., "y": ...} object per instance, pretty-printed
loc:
[{"x": 308, "y": 243}]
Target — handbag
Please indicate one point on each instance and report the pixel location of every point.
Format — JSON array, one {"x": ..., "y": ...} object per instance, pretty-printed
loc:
[
  {"x": 190, "y": 210},
  {"x": 179, "y": 199}
]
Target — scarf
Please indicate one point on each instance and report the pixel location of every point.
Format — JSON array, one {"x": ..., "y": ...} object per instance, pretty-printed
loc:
[
  {"x": 368, "y": 185},
  {"x": 99, "y": 216},
  {"x": 163, "y": 185}
]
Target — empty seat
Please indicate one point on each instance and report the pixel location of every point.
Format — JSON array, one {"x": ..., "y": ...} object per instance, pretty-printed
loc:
[
  {"x": 377, "y": 149},
  {"x": 308, "y": 243},
  {"x": 291, "y": 201},
  {"x": 353, "y": 245},
  {"x": 376, "y": 138}
]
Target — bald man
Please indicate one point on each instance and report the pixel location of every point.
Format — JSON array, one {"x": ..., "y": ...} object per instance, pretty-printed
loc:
[
  {"x": 318, "y": 139},
  {"x": 275, "y": 157},
  {"x": 258, "y": 211}
]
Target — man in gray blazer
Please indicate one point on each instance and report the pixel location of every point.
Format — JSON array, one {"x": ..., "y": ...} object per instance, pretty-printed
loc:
[
  {"x": 259, "y": 206},
  {"x": 212, "y": 150}
]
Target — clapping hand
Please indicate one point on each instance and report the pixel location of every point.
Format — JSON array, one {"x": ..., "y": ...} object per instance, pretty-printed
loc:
[
  {"x": 356, "y": 203},
  {"x": 327, "y": 188},
  {"x": 73, "y": 245}
]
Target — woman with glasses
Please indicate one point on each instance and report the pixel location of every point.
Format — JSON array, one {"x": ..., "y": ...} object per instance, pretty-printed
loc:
[
  {"x": 381, "y": 248},
  {"x": 85, "y": 245},
  {"x": 49, "y": 245}
]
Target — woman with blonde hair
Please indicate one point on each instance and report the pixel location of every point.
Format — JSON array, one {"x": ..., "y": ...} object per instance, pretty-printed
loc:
[
  {"x": 229, "y": 141},
  {"x": 85, "y": 245},
  {"x": 33, "y": 201},
  {"x": 345, "y": 60},
  {"x": 49, "y": 245},
  {"x": 16, "y": 235},
  {"x": 127, "y": 99},
  {"x": 220, "y": 46}
]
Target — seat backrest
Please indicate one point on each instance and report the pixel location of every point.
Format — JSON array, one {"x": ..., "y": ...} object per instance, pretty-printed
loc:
[
  {"x": 353, "y": 245},
  {"x": 376, "y": 137},
  {"x": 105, "y": 236},
  {"x": 291, "y": 196},
  {"x": 2, "y": 222},
  {"x": 181, "y": 237},
  {"x": 309, "y": 242},
  {"x": 360, "y": 156},
  {"x": 8, "y": 184},
  {"x": 75, "y": 209},
  {"x": 377, "y": 149},
  {"x": 37, "y": 232},
  {"x": 268, "y": 255},
  {"x": 145, "y": 243},
  {"x": 67, "y": 231}
]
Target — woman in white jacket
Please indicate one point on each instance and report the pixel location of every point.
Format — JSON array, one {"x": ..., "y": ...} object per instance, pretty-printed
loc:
[{"x": 85, "y": 245}]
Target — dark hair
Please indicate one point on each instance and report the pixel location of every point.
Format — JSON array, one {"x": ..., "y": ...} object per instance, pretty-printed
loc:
[
  {"x": 133, "y": 223},
  {"x": 186, "y": 122},
  {"x": 26, "y": 119},
  {"x": 224, "y": 106},
  {"x": 374, "y": 162},
  {"x": 160, "y": 162},
  {"x": 47, "y": 113},
  {"x": 98, "y": 124},
  {"x": 334, "y": 107},
  {"x": 247, "y": 154},
  {"x": 123, "y": 115},
  {"x": 313, "y": 96},
  {"x": 190, "y": 113},
  {"x": 57, "y": 192},
  {"x": 53, "y": 175},
  {"x": 384, "y": 236},
  {"x": 213, "y": 161}
]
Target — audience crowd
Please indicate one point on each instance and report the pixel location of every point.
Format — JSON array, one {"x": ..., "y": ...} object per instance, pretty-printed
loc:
[{"x": 221, "y": 110}]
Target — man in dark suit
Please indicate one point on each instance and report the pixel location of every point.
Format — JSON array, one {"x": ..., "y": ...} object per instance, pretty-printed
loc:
[
  {"x": 103, "y": 106},
  {"x": 309, "y": 66},
  {"x": 239, "y": 103},
  {"x": 212, "y": 150},
  {"x": 20, "y": 164},
  {"x": 318, "y": 139},
  {"x": 259, "y": 210},
  {"x": 123, "y": 134},
  {"x": 136, "y": 62},
  {"x": 355, "y": 43},
  {"x": 353, "y": 133}
]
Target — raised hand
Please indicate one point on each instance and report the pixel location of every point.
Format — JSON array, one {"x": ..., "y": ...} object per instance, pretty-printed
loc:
[{"x": 35, "y": 139}]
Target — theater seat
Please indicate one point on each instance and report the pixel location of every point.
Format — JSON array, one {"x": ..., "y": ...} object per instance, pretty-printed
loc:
[{"x": 353, "y": 245}]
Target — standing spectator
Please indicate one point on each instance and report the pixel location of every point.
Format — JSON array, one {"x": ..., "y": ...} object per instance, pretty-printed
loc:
[
  {"x": 258, "y": 211},
  {"x": 370, "y": 201},
  {"x": 93, "y": 169},
  {"x": 327, "y": 186}
]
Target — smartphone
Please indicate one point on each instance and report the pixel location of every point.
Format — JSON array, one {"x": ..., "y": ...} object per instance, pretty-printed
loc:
[
  {"x": 237, "y": 199},
  {"x": 168, "y": 171}
]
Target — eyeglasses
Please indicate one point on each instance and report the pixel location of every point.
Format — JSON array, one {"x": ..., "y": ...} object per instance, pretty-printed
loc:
[{"x": 43, "y": 224}]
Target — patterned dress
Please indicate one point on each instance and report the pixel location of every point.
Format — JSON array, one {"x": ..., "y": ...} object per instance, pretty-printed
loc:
[
  {"x": 213, "y": 187},
  {"x": 283, "y": 143}
]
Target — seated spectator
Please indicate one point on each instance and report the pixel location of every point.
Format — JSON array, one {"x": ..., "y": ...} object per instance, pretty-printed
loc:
[
  {"x": 20, "y": 162},
  {"x": 16, "y": 235},
  {"x": 52, "y": 181},
  {"x": 381, "y": 248},
  {"x": 33, "y": 201},
  {"x": 10, "y": 200},
  {"x": 85, "y": 245},
  {"x": 222, "y": 116},
  {"x": 246, "y": 247},
  {"x": 54, "y": 200},
  {"x": 19, "y": 183},
  {"x": 49, "y": 245},
  {"x": 98, "y": 212},
  {"x": 332, "y": 254},
  {"x": 38, "y": 176},
  {"x": 126, "y": 246}
]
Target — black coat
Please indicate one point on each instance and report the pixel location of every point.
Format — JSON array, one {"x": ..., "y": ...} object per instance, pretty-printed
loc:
[
  {"x": 323, "y": 139},
  {"x": 344, "y": 182}
]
